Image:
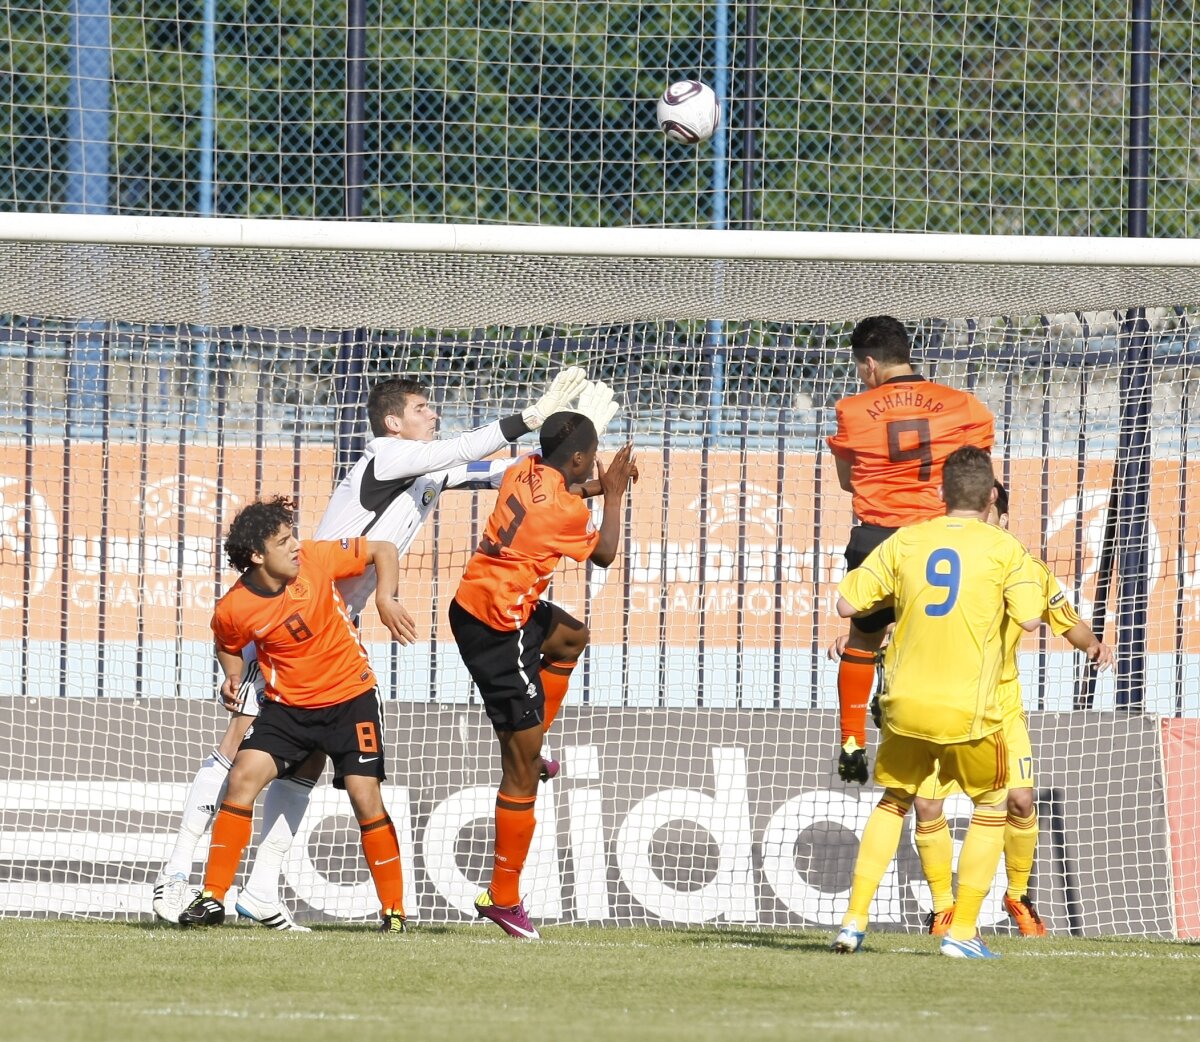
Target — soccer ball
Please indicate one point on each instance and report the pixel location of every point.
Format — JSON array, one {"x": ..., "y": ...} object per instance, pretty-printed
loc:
[{"x": 688, "y": 112}]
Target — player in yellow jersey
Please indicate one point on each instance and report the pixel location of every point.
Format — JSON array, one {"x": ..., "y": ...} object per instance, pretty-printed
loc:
[
  {"x": 953, "y": 580},
  {"x": 934, "y": 843}
]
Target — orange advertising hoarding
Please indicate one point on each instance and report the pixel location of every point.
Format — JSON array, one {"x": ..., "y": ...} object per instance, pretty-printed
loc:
[
  {"x": 1181, "y": 769},
  {"x": 731, "y": 549}
]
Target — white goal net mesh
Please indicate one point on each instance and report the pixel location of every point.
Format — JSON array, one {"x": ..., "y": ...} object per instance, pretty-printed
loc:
[
  {"x": 161, "y": 377},
  {"x": 699, "y": 781}
]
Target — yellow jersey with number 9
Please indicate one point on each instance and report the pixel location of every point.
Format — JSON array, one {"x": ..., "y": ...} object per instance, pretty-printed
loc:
[{"x": 954, "y": 581}]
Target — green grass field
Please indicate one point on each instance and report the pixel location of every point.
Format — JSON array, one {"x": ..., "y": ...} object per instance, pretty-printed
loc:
[{"x": 74, "y": 980}]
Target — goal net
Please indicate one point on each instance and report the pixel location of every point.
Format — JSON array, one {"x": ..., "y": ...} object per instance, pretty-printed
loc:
[{"x": 164, "y": 372}]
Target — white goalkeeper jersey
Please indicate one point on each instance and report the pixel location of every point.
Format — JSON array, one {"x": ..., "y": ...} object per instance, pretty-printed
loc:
[{"x": 394, "y": 486}]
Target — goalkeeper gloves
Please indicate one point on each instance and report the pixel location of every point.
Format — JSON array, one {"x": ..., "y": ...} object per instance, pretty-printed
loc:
[
  {"x": 596, "y": 402},
  {"x": 557, "y": 397}
]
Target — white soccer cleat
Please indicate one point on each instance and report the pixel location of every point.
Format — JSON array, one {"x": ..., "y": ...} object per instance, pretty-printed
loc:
[
  {"x": 172, "y": 895},
  {"x": 271, "y": 914},
  {"x": 972, "y": 949},
  {"x": 849, "y": 939}
]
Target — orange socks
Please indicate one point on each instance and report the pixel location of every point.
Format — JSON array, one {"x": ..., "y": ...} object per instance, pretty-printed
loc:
[
  {"x": 856, "y": 678},
  {"x": 514, "y": 833},
  {"x": 555, "y": 678},
  {"x": 230, "y": 837},
  {"x": 382, "y": 851}
]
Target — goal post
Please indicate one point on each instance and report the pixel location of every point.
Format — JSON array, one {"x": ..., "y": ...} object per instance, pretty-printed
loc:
[
  {"x": 347, "y": 274},
  {"x": 163, "y": 372}
]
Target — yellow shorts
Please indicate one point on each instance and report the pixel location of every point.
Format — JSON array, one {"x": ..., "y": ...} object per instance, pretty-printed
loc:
[
  {"x": 1020, "y": 763},
  {"x": 977, "y": 767}
]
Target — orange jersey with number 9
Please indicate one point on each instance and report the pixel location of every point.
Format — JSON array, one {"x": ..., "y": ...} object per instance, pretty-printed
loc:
[
  {"x": 308, "y": 647},
  {"x": 896, "y": 437},
  {"x": 536, "y": 523}
]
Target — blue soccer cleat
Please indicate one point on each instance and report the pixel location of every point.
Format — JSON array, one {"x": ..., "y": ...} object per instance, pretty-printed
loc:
[
  {"x": 972, "y": 949},
  {"x": 849, "y": 939}
]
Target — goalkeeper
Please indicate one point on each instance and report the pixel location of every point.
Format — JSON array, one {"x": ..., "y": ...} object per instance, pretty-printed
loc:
[
  {"x": 891, "y": 442},
  {"x": 386, "y": 495}
]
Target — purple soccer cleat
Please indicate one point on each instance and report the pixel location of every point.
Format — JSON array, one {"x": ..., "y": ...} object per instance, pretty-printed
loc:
[
  {"x": 513, "y": 920},
  {"x": 549, "y": 769}
]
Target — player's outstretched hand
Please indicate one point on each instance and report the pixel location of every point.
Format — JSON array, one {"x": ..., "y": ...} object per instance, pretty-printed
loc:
[
  {"x": 615, "y": 478},
  {"x": 597, "y": 403},
  {"x": 397, "y": 620},
  {"x": 1101, "y": 656},
  {"x": 558, "y": 396}
]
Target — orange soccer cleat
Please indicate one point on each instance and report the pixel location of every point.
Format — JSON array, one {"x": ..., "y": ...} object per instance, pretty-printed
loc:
[
  {"x": 939, "y": 922},
  {"x": 1025, "y": 916}
]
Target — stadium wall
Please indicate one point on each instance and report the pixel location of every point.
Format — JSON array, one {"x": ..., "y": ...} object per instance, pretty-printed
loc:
[
  {"x": 678, "y": 817},
  {"x": 723, "y": 590}
]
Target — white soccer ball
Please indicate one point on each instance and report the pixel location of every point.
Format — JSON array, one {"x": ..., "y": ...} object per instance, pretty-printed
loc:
[{"x": 688, "y": 112}]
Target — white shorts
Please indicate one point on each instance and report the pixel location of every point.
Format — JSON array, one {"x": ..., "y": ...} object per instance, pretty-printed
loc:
[{"x": 252, "y": 693}]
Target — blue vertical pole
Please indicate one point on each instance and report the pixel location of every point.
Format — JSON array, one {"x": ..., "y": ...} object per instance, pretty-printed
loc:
[
  {"x": 351, "y": 356},
  {"x": 1133, "y": 449},
  {"x": 205, "y": 205},
  {"x": 715, "y": 336},
  {"x": 91, "y": 102},
  {"x": 87, "y": 180},
  {"x": 206, "y": 192},
  {"x": 749, "y": 158},
  {"x": 720, "y": 162}
]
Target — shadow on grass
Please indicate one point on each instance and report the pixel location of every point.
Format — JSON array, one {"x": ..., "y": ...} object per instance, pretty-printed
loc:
[
  {"x": 777, "y": 940},
  {"x": 707, "y": 937}
]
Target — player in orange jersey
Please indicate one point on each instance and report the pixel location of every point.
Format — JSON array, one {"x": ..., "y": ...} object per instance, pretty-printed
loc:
[
  {"x": 891, "y": 442},
  {"x": 519, "y": 649},
  {"x": 320, "y": 689},
  {"x": 390, "y": 492}
]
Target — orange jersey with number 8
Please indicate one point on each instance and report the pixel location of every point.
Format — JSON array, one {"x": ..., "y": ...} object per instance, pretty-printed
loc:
[
  {"x": 308, "y": 646},
  {"x": 536, "y": 523},
  {"x": 896, "y": 437}
]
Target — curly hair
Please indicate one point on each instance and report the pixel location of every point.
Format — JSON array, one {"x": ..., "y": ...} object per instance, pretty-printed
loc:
[{"x": 254, "y": 525}]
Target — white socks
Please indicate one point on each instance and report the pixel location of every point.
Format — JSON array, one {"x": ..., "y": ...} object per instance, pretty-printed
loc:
[
  {"x": 283, "y": 810},
  {"x": 199, "y": 809}
]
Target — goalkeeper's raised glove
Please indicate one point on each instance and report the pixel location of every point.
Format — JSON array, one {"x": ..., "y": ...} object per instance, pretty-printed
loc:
[
  {"x": 596, "y": 402},
  {"x": 558, "y": 396}
]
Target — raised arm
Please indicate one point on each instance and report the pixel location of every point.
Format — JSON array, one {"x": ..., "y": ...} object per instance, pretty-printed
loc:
[
  {"x": 401, "y": 458},
  {"x": 592, "y": 488},
  {"x": 614, "y": 480}
]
